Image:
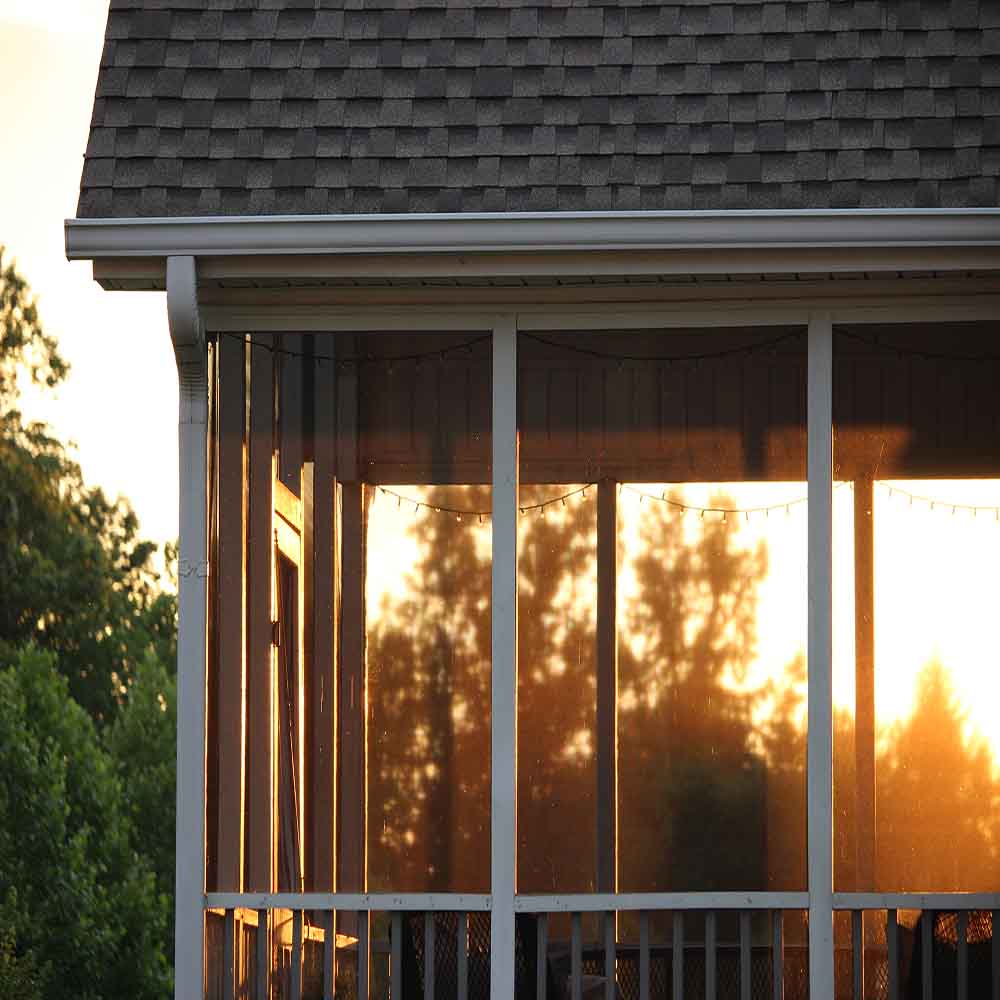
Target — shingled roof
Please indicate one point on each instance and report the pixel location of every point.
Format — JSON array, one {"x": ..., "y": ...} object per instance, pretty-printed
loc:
[{"x": 262, "y": 107}]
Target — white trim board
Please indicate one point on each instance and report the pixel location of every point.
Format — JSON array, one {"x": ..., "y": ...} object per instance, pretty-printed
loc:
[{"x": 612, "y": 316}]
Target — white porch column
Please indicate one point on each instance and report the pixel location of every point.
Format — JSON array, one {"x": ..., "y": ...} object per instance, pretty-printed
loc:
[
  {"x": 503, "y": 798},
  {"x": 192, "y": 573},
  {"x": 820, "y": 653}
]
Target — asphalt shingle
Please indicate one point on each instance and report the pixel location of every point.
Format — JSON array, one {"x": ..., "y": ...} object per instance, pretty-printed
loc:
[{"x": 327, "y": 106}]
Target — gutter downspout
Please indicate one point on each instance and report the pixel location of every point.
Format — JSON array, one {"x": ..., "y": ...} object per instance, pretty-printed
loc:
[{"x": 188, "y": 336}]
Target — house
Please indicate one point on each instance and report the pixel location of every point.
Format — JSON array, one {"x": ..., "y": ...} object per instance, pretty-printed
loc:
[{"x": 671, "y": 323}]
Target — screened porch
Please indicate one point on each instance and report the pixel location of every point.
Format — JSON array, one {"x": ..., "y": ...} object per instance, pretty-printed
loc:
[{"x": 635, "y": 658}]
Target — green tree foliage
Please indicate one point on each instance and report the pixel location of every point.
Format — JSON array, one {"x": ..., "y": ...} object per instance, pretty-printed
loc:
[
  {"x": 86, "y": 900},
  {"x": 25, "y": 349},
  {"x": 142, "y": 742},
  {"x": 87, "y": 714},
  {"x": 20, "y": 976},
  {"x": 75, "y": 577}
]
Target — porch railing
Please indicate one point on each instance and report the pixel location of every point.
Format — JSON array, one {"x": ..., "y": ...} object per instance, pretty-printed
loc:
[
  {"x": 920, "y": 946},
  {"x": 644, "y": 946}
]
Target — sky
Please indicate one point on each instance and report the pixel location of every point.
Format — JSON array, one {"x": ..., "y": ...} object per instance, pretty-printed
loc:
[{"x": 119, "y": 404}]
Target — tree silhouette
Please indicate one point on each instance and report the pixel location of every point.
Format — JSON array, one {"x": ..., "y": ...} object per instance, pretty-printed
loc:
[
  {"x": 429, "y": 705},
  {"x": 707, "y": 796},
  {"x": 937, "y": 796}
]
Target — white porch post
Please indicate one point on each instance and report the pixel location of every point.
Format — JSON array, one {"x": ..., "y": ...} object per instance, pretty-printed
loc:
[
  {"x": 503, "y": 798},
  {"x": 820, "y": 584},
  {"x": 189, "y": 348}
]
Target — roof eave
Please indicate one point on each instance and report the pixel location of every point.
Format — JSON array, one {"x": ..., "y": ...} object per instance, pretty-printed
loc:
[{"x": 96, "y": 239}]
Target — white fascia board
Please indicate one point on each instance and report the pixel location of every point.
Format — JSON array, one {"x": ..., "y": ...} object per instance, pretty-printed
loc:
[{"x": 93, "y": 239}]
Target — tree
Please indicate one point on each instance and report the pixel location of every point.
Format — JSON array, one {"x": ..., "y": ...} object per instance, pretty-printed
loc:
[
  {"x": 24, "y": 346},
  {"x": 699, "y": 775},
  {"x": 86, "y": 899},
  {"x": 938, "y": 821},
  {"x": 75, "y": 577},
  {"x": 142, "y": 743},
  {"x": 87, "y": 714}
]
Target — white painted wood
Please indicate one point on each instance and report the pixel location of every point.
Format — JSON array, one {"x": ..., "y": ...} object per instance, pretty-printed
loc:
[
  {"x": 701, "y": 310},
  {"x": 503, "y": 799},
  {"x": 429, "y": 956},
  {"x": 542, "y": 958},
  {"x": 858, "y": 953},
  {"x": 330, "y": 956},
  {"x": 916, "y": 900},
  {"x": 576, "y": 957},
  {"x": 311, "y": 269},
  {"x": 364, "y": 955},
  {"x": 678, "y": 956},
  {"x": 643, "y": 955},
  {"x": 382, "y": 902},
  {"x": 462, "y": 956},
  {"x": 746, "y": 972},
  {"x": 192, "y": 573},
  {"x": 927, "y": 955},
  {"x": 963, "y": 955},
  {"x": 229, "y": 955},
  {"x": 610, "y": 960},
  {"x": 262, "y": 956},
  {"x": 892, "y": 948},
  {"x": 396, "y": 958},
  {"x": 598, "y": 902},
  {"x": 820, "y": 712},
  {"x": 711, "y": 957},
  {"x": 296, "y": 976},
  {"x": 777, "y": 955}
]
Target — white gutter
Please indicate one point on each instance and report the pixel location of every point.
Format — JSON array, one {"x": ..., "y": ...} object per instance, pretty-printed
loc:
[
  {"x": 187, "y": 334},
  {"x": 92, "y": 239}
]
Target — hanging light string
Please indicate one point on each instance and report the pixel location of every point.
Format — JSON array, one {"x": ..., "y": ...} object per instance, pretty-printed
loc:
[
  {"x": 744, "y": 350},
  {"x": 725, "y": 512},
  {"x": 934, "y": 503},
  {"x": 482, "y": 515},
  {"x": 873, "y": 340},
  {"x": 465, "y": 347},
  {"x": 418, "y": 505},
  {"x": 440, "y": 353},
  {"x": 721, "y": 513}
]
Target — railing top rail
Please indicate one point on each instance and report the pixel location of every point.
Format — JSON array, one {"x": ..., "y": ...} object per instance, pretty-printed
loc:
[
  {"x": 602, "y": 902},
  {"x": 916, "y": 900},
  {"x": 596, "y": 902},
  {"x": 368, "y": 901}
]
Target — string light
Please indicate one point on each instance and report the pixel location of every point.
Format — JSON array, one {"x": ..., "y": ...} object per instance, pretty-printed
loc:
[
  {"x": 744, "y": 350},
  {"x": 933, "y": 503},
  {"x": 912, "y": 352},
  {"x": 459, "y": 513},
  {"x": 723, "y": 513},
  {"x": 441, "y": 354},
  {"x": 390, "y": 361}
]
